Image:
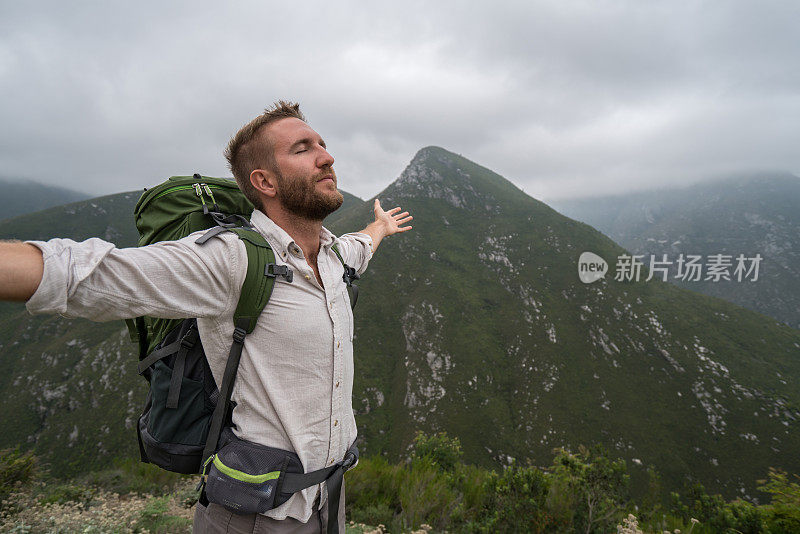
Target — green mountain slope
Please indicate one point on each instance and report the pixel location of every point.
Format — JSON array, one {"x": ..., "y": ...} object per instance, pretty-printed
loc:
[
  {"x": 22, "y": 196},
  {"x": 350, "y": 201},
  {"x": 476, "y": 323},
  {"x": 746, "y": 215},
  {"x": 109, "y": 217},
  {"x": 70, "y": 386}
]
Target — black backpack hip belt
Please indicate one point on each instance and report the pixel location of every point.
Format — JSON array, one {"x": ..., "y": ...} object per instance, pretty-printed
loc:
[{"x": 247, "y": 478}]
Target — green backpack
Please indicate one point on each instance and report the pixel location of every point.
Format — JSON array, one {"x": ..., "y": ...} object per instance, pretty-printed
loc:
[{"x": 185, "y": 412}]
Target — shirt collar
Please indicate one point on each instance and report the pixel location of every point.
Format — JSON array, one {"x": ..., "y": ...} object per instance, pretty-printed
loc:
[{"x": 279, "y": 237}]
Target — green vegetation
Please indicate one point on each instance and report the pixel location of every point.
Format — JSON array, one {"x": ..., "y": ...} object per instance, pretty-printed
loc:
[
  {"x": 17, "y": 471},
  {"x": 119, "y": 499},
  {"x": 590, "y": 485},
  {"x": 584, "y": 492},
  {"x": 433, "y": 491},
  {"x": 155, "y": 517},
  {"x": 784, "y": 510}
]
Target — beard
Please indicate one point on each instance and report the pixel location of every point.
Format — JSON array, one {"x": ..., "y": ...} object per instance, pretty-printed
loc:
[{"x": 300, "y": 197}]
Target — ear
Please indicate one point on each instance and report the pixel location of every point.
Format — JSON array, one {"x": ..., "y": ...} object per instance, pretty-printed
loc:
[{"x": 264, "y": 182}]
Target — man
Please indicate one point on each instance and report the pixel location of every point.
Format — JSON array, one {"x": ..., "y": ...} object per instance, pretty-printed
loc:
[{"x": 294, "y": 386}]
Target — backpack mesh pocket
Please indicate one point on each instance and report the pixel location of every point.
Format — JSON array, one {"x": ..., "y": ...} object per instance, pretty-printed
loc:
[
  {"x": 244, "y": 477},
  {"x": 187, "y": 424}
]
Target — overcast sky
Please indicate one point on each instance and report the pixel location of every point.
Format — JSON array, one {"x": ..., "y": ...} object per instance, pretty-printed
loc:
[{"x": 563, "y": 98}]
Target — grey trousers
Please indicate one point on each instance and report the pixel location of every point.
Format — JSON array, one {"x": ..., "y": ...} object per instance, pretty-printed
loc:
[{"x": 215, "y": 519}]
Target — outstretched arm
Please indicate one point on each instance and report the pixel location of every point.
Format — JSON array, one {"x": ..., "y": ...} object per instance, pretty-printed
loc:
[
  {"x": 21, "y": 268},
  {"x": 95, "y": 280},
  {"x": 386, "y": 223}
]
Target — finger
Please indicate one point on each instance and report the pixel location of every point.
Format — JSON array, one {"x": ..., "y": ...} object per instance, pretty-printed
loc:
[
  {"x": 393, "y": 210},
  {"x": 403, "y": 221},
  {"x": 404, "y": 228},
  {"x": 400, "y": 215}
]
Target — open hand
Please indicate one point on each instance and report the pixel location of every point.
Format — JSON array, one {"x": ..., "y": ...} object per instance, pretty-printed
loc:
[{"x": 391, "y": 222}]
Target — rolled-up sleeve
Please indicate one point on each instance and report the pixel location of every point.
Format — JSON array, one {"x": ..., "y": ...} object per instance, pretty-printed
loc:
[
  {"x": 356, "y": 250},
  {"x": 173, "y": 279}
]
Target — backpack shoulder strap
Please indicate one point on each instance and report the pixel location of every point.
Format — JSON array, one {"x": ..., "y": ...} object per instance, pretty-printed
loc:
[
  {"x": 258, "y": 283},
  {"x": 335, "y": 248},
  {"x": 256, "y": 290}
]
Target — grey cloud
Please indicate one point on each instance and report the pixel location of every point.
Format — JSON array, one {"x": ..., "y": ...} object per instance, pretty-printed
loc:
[{"x": 563, "y": 98}]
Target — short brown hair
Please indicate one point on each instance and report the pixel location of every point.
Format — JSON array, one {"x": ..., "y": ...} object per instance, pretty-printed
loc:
[{"x": 246, "y": 152}]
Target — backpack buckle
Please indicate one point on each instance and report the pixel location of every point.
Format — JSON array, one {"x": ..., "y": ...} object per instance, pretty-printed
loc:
[
  {"x": 349, "y": 275},
  {"x": 239, "y": 334},
  {"x": 189, "y": 340},
  {"x": 274, "y": 270},
  {"x": 349, "y": 460},
  {"x": 229, "y": 221}
]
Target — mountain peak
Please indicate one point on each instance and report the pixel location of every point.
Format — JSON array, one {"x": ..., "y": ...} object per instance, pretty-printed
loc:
[
  {"x": 437, "y": 173},
  {"x": 432, "y": 151}
]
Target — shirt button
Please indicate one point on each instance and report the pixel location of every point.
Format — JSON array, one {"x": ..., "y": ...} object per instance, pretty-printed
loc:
[
  {"x": 337, "y": 383},
  {"x": 295, "y": 250},
  {"x": 337, "y": 344},
  {"x": 308, "y": 277},
  {"x": 335, "y": 422},
  {"x": 331, "y": 462}
]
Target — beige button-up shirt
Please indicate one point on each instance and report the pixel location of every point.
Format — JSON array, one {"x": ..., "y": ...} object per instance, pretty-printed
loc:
[{"x": 295, "y": 381}]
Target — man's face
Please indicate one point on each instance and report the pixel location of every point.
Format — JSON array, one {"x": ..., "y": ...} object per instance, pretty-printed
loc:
[{"x": 306, "y": 182}]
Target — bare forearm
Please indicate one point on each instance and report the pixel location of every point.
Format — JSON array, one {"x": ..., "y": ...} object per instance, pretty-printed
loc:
[
  {"x": 21, "y": 269},
  {"x": 376, "y": 232}
]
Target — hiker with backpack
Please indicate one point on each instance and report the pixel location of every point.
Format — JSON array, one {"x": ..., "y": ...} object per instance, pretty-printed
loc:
[{"x": 244, "y": 327}]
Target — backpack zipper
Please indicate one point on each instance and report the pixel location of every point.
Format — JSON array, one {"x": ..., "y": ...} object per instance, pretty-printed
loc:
[
  {"x": 196, "y": 187},
  {"x": 209, "y": 193}
]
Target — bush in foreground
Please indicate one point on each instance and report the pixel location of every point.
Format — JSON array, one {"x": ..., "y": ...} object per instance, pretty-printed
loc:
[{"x": 434, "y": 491}]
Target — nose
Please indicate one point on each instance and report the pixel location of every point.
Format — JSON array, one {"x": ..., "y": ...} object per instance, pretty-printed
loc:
[{"x": 325, "y": 159}]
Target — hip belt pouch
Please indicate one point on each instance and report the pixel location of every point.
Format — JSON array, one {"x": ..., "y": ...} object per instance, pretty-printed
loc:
[{"x": 246, "y": 477}]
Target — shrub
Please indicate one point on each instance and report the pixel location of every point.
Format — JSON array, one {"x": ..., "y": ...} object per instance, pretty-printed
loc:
[
  {"x": 129, "y": 475},
  {"x": 783, "y": 513},
  {"x": 744, "y": 517},
  {"x": 155, "y": 517},
  {"x": 371, "y": 490},
  {"x": 517, "y": 502},
  {"x": 442, "y": 451},
  {"x": 717, "y": 515},
  {"x": 17, "y": 469},
  {"x": 473, "y": 483},
  {"x": 64, "y": 493},
  {"x": 407, "y": 496},
  {"x": 426, "y": 496},
  {"x": 593, "y": 486}
]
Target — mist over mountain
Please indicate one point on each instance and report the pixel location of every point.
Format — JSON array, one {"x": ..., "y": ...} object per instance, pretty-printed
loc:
[
  {"x": 757, "y": 214},
  {"x": 24, "y": 196},
  {"x": 475, "y": 323}
]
